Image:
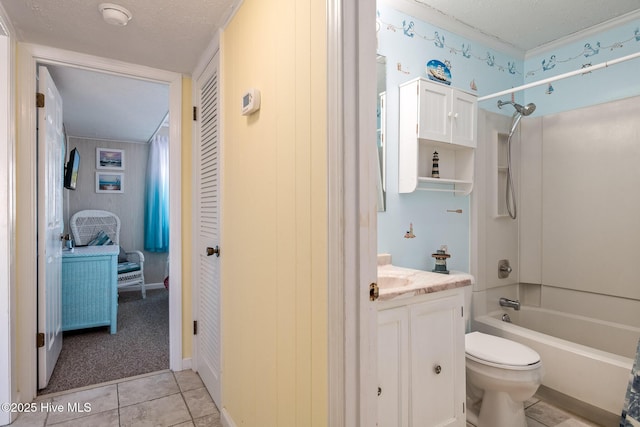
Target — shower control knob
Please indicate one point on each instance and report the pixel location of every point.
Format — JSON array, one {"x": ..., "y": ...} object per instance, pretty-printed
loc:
[
  {"x": 504, "y": 269},
  {"x": 437, "y": 369}
]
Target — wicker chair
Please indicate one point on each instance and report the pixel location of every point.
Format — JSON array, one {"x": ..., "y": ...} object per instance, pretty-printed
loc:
[{"x": 86, "y": 225}]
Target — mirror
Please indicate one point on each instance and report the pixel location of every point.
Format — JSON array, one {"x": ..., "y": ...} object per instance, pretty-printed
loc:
[{"x": 381, "y": 70}]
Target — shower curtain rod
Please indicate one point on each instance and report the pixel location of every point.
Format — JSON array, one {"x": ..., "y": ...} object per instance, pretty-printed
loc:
[{"x": 561, "y": 76}]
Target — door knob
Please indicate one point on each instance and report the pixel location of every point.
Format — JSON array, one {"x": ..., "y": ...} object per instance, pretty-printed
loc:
[{"x": 212, "y": 251}]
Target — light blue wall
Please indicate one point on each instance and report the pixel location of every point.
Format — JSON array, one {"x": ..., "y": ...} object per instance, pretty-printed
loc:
[
  {"x": 408, "y": 45},
  {"x": 619, "y": 81}
]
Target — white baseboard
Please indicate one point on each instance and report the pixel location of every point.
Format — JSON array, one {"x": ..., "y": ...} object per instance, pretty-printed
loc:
[
  {"x": 226, "y": 418},
  {"x": 186, "y": 364}
]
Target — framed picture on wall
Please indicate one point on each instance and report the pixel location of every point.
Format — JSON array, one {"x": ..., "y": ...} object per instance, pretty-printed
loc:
[
  {"x": 109, "y": 158},
  {"x": 109, "y": 182}
]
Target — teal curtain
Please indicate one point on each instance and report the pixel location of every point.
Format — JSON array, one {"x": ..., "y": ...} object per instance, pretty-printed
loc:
[{"x": 156, "y": 220}]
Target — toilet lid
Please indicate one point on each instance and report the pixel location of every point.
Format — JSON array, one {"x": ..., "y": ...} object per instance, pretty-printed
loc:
[{"x": 500, "y": 351}]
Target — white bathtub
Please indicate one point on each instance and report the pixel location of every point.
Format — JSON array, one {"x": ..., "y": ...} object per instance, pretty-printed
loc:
[{"x": 587, "y": 359}]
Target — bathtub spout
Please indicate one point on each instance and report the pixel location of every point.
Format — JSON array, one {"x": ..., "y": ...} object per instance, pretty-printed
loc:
[{"x": 513, "y": 303}]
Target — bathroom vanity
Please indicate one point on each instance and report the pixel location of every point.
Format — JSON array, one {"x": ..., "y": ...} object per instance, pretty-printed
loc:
[{"x": 421, "y": 349}]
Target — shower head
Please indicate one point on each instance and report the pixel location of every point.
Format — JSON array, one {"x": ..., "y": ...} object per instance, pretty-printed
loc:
[{"x": 525, "y": 111}]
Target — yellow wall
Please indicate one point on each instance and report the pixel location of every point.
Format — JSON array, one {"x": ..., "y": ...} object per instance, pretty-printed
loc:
[
  {"x": 274, "y": 216},
  {"x": 187, "y": 163}
]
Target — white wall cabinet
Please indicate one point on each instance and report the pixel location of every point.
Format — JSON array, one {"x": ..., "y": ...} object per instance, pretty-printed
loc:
[
  {"x": 421, "y": 361},
  {"x": 434, "y": 117}
]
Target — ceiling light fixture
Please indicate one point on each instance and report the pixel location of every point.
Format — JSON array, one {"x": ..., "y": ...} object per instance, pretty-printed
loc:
[{"x": 114, "y": 14}]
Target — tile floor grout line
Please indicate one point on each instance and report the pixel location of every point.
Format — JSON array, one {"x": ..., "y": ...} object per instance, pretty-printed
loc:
[{"x": 183, "y": 398}]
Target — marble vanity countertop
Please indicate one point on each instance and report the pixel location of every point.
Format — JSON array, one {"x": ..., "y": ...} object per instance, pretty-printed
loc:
[{"x": 412, "y": 282}]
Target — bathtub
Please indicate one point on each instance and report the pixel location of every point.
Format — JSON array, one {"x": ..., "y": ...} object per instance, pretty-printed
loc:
[{"x": 587, "y": 359}]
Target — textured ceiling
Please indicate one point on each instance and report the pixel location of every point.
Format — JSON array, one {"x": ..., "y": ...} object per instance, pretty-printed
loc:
[
  {"x": 104, "y": 106},
  {"x": 172, "y": 34},
  {"x": 165, "y": 34}
]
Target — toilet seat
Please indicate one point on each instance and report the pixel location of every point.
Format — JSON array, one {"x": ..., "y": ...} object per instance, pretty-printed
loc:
[{"x": 500, "y": 352}]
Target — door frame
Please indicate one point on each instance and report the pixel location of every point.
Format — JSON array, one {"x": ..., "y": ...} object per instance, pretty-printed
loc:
[
  {"x": 352, "y": 212},
  {"x": 7, "y": 215},
  {"x": 29, "y": 55}
]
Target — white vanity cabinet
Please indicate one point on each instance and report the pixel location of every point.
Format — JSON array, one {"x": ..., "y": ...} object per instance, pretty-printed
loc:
[
  {"x": 421, "y": 361},
  {"x": 435, "y": 117}
]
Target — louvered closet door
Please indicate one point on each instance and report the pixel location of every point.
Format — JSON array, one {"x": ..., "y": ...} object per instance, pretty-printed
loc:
[{"x": 207, "y": 227}]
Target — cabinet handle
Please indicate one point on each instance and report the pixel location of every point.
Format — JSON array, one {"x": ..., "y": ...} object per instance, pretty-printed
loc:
[
  {"x": 437, "y": 369},
  {"x": 450, "y": 114},
  {"x": 455, "y": 116}
]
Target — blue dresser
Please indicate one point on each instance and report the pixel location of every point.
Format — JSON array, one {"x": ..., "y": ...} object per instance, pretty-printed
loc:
[{"x": 90, "y": 287}]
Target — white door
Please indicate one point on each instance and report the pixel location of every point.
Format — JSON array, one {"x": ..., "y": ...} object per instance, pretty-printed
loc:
[
  {"x": 207, "y": 269},
  {"x": 50, "y": 225}
]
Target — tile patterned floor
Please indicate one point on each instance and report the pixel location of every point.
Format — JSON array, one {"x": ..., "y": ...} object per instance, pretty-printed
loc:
[
  {"x": 543, "y": 414},
  {"x": 180, "y": 399},
  {"x": 158, "y": 399}
]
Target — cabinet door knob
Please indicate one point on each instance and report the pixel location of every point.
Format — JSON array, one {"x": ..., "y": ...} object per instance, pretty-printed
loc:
[{"x": 437, "y": 369}]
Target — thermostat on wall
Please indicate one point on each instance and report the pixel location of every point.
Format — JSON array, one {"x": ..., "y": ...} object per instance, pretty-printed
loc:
[{"x": 250, "y": 101}]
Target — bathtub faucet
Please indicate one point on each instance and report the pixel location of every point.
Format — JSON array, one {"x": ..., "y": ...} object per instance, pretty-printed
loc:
[{"x": 513, "y": 303}]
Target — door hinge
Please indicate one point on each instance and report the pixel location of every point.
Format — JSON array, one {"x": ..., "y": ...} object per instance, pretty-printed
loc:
[
  {"x": 40, "y": 100},
  {"x": 195, "y": 113},
  {"x": 40, "y": 340},
  {"x": 462, "y": 311},
  {"x": 195, "y": 327},
  {"x": 463, "y": 407}
]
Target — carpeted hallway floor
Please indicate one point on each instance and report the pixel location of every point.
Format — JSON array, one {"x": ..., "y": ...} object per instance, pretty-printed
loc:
[{"x": 141, "y": 345}]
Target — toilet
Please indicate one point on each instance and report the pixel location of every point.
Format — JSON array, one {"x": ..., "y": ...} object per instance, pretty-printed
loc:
[{"x": 501, "y": 375}]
